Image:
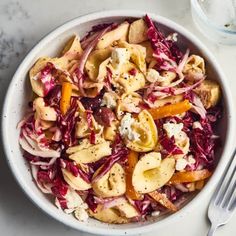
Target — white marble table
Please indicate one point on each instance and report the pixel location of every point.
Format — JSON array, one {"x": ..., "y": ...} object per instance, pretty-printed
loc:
[{"x": 22, "y": 24}]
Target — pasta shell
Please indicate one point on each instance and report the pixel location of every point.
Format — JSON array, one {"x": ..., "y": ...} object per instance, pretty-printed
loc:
[
  {"x": 194, "y": 64},
  {"x": 73, "y": 49},
  {"x": 96, "y": 64},
  {"x": 110, "y": 37},
  {"x": 76, "y": 183},
  {"x": 34, "y": 74},
  {"x": 137, "y": 54},
  {"x": 138, "y": 31},
  {"x": 112, "y": 184},
  {"x": 130, "y": 83},
  {"x": 108, "y": 215},
  {"x": 151, "y": 173},
  {"x": 147, "y": 130},
  {"x": 89, "y": 154}
]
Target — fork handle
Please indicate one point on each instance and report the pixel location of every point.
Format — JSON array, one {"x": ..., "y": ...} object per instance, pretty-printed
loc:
[{"x": 212, "y": 230}]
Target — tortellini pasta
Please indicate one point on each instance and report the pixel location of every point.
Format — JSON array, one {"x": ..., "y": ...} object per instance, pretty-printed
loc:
[
  {"x": 90, "y": 152},
  {"x": 44, "y": 112},
  {"x": 96, "y": 64},
  {"x": 146, "y": 133},
  {"x": 108, "y": 215},
  {"x": 73, "y": 49},
  {"x": 151, "y": 172},
  {"x": 119, "y": 33},
  {"x": 110, "y": 132},
  {"x": 82, "y": 128},
  {"x": 128, "y": 102},
  {"x": 138, "y": 31},
  {"x": 137, "y": 54},
  {"x": 128, "y": 82},
  {"x": 194, "y": 65},
  {"x": 112, "y": 184},
  {"x": 35, "y": 74},
  {"x": 77, "y": 182}
]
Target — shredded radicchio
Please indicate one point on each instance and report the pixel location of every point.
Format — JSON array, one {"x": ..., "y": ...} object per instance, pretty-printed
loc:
[
  {"x": 166, "y": 51},
  {"x": 169, "y": 146},
  {"x": 67, "y": 123}
]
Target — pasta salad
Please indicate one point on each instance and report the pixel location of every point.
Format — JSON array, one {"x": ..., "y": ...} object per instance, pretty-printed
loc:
[{"x": 121, "y": 124}]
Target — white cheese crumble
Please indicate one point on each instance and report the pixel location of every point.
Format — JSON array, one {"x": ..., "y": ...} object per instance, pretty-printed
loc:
[
  {"x": 173, "y": 129},
  {"x": 156, "y": 213},
  {"x": 109, "y": 100},
  {"x": 119, "y": 56},
  {"x": 181, "y": 164},
  {"x": 74, "y": 204},
  {"x": 173, "y": 37},
  {"x": 126, "y": 128},
  {"x": 81, "y": 214},
  {"x": 191, "y": 160},
  {"x": 197, "y": 125},
  {"x": 154, "y": 76}
]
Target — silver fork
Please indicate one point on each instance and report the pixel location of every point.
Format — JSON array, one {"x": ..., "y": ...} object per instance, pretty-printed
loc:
[{"x": 223, "y": 201}]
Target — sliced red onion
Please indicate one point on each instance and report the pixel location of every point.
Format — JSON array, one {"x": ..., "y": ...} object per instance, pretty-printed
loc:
[
  {"x": 30, "y": 146},
  {"x": 198, "y": 106},
  {"x": 114, "y": 202},
  {"x": 42, "y": 163},
  {"x": 85, "y": 42},
  {"x": 182, "y": 63}
]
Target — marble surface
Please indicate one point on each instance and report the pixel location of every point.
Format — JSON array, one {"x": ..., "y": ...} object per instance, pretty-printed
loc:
[{"x": 22, "y": 24}]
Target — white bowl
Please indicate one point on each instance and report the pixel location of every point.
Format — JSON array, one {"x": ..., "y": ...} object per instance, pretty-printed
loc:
[{"x": 19, "y": 94}]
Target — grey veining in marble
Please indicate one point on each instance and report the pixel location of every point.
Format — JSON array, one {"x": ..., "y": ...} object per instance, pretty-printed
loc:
[{"x": 22, "y": 24}]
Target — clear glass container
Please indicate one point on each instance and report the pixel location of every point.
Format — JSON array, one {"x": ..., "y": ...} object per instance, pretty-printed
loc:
[{"x": 216, "y": 19}]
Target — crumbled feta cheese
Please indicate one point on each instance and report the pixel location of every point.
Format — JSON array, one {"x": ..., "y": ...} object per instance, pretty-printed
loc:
[
  {"x": 181, "y": 164},
  {"x": 131, "y": 104},
  {"x": 172, "y": 37},
  {"x": 73, "y": 200},
  {"x": 154, "y": 76},
  {"x": 156, "y": 213},
  {"x": 74, "y": 204},
  {"x": 173, "y": 129},
  {"x": 109, "y": 100},
  {"x": 81, "y": 214},
  {"x": 126, "y": 129},
  {"x": 191, "y": 160},
  {"x": 119, "y": 56},
  {"x": 200, "y": 167},
  {"x": 197, "y": 125}
]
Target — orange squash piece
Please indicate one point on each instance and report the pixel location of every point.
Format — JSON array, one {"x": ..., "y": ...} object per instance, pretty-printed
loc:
[
  {"x": 170, "y": 110},
  {"x": 66, "y": 91},
  {"x": 130, "y": 191},
  {"x": 190, "y": 176}
]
